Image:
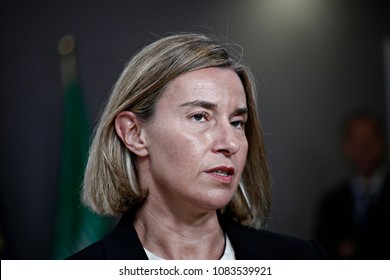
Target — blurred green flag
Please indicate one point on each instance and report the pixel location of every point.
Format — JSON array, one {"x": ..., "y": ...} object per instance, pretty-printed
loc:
[{"x": 77, "y": 226}]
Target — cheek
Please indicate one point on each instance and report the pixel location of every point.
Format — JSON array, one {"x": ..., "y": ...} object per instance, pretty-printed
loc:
[
  {"x": 175, "y": 148},
  {"x": 188, "y": 153},
  {"x": 243, "y": 153}
]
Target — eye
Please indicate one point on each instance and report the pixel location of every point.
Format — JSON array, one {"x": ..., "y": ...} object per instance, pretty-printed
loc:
[
  {"x": 200, "y": 116},
  {"x": 238, "y": 124}
]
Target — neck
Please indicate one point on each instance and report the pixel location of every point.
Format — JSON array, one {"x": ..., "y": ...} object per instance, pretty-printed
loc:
[{"x": 179, "y": 235}]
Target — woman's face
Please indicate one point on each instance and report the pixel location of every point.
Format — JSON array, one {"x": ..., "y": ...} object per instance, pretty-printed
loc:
[{"x": 196, "y": 140}]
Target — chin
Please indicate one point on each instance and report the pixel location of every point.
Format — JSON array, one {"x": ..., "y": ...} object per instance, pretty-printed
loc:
[{"x": 216, "y": 202}]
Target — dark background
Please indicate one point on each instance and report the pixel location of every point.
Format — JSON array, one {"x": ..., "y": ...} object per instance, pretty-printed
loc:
[{"x": 314, "y": 59}]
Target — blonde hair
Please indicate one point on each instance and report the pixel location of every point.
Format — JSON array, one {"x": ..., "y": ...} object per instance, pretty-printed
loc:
[{"x": 110, "y": 183}]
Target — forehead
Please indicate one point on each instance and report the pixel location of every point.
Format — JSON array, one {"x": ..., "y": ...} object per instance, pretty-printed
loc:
[{"x": 218, "y": 85}]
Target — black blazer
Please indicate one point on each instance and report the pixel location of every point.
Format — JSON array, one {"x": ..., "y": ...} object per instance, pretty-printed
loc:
[{"x": 122, "y": 243}]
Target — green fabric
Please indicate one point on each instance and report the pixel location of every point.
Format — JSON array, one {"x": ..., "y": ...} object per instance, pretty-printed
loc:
[{"x": 77, "y": 226}]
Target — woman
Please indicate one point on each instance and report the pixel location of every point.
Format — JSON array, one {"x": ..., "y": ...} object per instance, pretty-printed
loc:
[{"x": 179, "y": 152}]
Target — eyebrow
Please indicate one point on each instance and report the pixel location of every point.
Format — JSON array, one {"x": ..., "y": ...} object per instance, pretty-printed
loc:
[
  {"x": 210, "y": 106},
  {"x": 199, "y": 103},
  {"x": 240, "y": 111}
]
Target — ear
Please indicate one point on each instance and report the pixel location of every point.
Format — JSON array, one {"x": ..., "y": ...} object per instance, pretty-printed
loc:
[{"x": 130, "y": 130}]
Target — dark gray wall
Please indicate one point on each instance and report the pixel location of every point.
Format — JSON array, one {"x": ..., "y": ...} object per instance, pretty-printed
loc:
[{"x": 313, "y": 65}]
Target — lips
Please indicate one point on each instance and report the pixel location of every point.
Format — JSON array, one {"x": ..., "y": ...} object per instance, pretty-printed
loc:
[
  {"x": 222, "y": 170},
  {"x": 223, "y": 174}
]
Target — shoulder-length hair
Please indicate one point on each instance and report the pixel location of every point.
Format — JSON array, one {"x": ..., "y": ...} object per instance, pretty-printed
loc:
[{"x": 110, "y": 182}]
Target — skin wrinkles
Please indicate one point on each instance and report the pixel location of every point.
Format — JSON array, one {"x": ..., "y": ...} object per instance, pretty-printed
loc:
[{"x": 166, "y": 248}]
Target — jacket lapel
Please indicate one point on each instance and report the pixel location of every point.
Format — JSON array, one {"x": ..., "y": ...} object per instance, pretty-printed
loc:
[
  {"x": 123, "y": 242},
  {"x": 248, "y": 243}
]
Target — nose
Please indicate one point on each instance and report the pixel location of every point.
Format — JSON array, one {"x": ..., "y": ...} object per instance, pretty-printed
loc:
[{"x": 226, "y": 140}]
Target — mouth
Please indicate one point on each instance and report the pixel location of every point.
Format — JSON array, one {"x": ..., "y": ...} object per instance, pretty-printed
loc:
[
  {"x": 222, "y": 170},
  {"x": 223, "y": 174}
]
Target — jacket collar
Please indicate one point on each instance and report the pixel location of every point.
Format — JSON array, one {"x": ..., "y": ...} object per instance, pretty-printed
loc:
[{"x": 248, "y": 243}]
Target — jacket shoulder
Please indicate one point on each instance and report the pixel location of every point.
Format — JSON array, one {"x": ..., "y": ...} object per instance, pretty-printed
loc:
[
  {"x": 290, "y": 247},
  {"x": 249, "y": 243},
  {"x": 121, "y": 243},
  {"x": 95, "y": 251}
]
